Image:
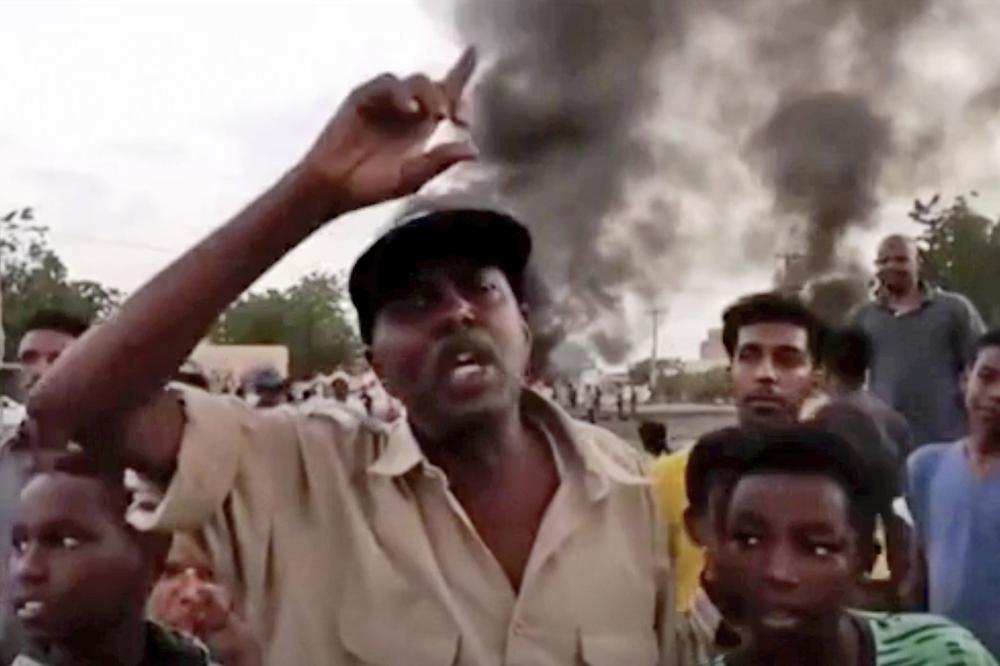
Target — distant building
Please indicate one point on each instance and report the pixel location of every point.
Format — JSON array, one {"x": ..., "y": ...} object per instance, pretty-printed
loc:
[{"x": 712, "y": 348}]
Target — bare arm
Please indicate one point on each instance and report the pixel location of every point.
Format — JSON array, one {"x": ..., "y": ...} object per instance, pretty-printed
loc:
[{"x": 109, "y": 383}]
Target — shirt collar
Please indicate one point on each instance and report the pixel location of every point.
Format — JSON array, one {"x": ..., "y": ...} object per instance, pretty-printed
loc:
[
  {"x": 601, "y": 455},
  {"x": 927, "y": 293}
]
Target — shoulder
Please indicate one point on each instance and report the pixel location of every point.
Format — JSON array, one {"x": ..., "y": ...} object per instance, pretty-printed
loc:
[
  {"x": 924, "y": 639},
  {"x": 669, "y": 468},
  {"x": 861, "y": 311},
  {"x": 954, "y": 301},
  {"x": 928, "y": 457},
  {"x": 614, "y": 453}
]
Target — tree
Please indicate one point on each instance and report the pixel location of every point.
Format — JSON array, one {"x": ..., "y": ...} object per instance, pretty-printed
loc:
[
  {"x": 960, "y": 250},
  {"x": 33, "y": 278},
  {"x": 310, "y": 318}
]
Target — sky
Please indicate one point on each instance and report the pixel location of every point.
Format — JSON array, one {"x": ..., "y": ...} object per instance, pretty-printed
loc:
[{"x": 134, "y": 128}]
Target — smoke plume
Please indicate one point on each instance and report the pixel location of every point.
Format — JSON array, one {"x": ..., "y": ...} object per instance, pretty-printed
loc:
[
  {"x": 823, "y": 156},
  {"x": 655, "y": 146}
]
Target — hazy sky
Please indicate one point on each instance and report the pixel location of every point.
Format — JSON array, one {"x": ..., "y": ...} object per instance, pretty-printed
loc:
[{"x": 134, "y": 127}]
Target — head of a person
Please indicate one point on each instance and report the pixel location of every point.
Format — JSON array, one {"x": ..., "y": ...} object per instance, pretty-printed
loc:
[
  {"x": 441, "y": 309},
  {"x": 897, "y": 264},
  {"x": 708, "y": 479},
  {"x": 77, "y": 571},
  {"x": 653, "y": 436},
  {"x": 847, "y": 357},
  {"x": 795, "y": 535},
  {"x": 270, "y": 387},
  {"x": 179, "y": 598},
  {"x": 774, "y": 343},
  {"x": 982, "y": 388},
  {"x": 340, "y": 389},
  {"x": 47, "y": 334}
]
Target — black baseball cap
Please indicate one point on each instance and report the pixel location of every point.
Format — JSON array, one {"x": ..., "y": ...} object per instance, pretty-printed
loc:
[{"x": 489, "y": 237}]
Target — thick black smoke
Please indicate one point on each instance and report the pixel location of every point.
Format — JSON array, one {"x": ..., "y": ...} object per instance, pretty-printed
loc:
[
  {"x": 647, "y": 141},
  {"x": 823, "y": 156}
]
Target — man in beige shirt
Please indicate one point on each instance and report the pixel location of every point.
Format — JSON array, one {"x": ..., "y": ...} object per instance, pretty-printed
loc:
[{"x": 487, "y": 528}]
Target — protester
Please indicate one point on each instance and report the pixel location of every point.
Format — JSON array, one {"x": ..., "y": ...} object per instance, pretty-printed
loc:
[
  {"x": 709, "y": 476},
  {"x": 46, "y": 336},
  {"x": 463, "y": 536},
  {"x": 954, "y": 496},
  {"x": 884, "y": 587},
  {"x": 796, "y": 536},
  {"x": 846, "y": 359},
  {"x": 270, "y": 388},
  {"x": 188, "y": 598},
  {"x": 80, "y": 574},
  {"x": 922, "y": 337},
  {"x": 774, "y": 345},
  {"x": 653, "y": 436}
]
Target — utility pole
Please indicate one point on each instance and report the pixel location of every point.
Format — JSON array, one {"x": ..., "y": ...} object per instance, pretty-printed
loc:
[{"x": 654, "y": 314}]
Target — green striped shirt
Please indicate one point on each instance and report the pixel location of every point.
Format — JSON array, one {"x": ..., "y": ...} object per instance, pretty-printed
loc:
[{"x": 913, "y": 639}]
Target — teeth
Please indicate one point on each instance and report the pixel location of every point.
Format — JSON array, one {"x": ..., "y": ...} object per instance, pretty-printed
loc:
[
  {"x": 780, "y": 620},
  {"x": 465, "y": 371},
  {"x": 30, "y": 609},
  {"x": 465, "y": 357}
]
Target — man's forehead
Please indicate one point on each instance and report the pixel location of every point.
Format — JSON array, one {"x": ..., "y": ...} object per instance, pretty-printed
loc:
[
  {"x": 896, "y": 245},
  {"x": 59, "y": 496},
  {"x": 989, "y": 357},
  {"x": 774, "y": 334},
  {"x": 45, "y": 339}
]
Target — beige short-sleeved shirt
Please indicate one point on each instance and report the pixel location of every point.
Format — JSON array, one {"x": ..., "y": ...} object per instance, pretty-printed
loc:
[{"x": 346, "y": 546}]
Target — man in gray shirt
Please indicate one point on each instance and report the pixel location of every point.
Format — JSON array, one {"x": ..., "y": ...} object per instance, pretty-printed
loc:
[{"x": 921, "y": 339}]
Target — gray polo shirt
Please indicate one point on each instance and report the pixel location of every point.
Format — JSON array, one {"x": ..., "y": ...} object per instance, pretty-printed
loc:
[{"x": 918, "y": 359}]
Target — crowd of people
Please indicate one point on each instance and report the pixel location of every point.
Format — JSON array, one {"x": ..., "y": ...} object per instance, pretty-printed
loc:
[{"x": 152, "y": 522}]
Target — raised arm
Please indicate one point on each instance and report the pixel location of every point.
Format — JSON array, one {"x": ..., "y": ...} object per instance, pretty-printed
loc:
[{"x": 371, "y": 151}]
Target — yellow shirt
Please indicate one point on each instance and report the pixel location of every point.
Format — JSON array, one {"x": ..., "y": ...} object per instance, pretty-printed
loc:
[
  {"x": 687, "y": 559},
  {"x": 346, "y": 545}
]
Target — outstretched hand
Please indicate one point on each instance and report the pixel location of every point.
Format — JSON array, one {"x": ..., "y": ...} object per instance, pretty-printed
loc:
[{"x": 373, "y": 149}]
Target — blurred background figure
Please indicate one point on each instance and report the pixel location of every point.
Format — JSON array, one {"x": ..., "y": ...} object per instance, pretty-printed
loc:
[
  {"x": 270, "y": 388},
  {"x": 188, "y": 599}
]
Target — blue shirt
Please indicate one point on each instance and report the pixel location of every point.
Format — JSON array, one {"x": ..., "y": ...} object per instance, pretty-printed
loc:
[{"x": 957, "y": 518}]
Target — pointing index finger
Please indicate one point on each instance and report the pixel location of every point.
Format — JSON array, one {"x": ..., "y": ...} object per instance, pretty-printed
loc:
[{"x": 458, "y": 76}]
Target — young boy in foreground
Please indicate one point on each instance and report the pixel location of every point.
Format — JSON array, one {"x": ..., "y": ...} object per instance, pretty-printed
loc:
[
  {"x": 79, "y": 575},
  {"x": 794, "y": 538}
]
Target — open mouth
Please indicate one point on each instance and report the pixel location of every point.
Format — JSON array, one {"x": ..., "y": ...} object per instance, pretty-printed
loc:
[
  {"x": 29, "y": 610},
  {"x": 468, "y": 370},
  {"x": 780, "y": 620}
]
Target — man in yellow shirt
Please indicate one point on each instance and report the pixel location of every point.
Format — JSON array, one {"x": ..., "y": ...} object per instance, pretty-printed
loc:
[{"x": 774, "y": 344}]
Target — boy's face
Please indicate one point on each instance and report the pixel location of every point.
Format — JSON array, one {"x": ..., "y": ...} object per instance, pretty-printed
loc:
[
  {"x": 982, "y": 393},
  {"x": 75, "y": 570},
  {"x": 789, "y": 552}
]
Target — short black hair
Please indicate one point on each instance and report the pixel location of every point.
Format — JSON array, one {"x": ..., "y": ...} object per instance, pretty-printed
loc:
[
  {"x": 714, "y": 460},
  {"x": 771, "y": 307},
  {"x": 989, "y": 339},
  {"x": 58, "y": 320},
  {"x": 806, "y": 449},
  {"x": 111, "y": 478},
  {"x": 81, "y": 465},
  {"x": 653, "y": 436},
  {"x": 847, "y": 353}
]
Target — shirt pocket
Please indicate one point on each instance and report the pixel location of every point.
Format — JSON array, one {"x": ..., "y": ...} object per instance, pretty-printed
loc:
[
  {"x": 606, "y": 648},
  {"x": 390, "y": 622}
]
